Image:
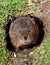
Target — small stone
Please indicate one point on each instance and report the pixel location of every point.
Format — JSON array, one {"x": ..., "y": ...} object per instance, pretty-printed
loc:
[
  {"x": 14, "y": 55},
  {"x": 30, "y": 53}
]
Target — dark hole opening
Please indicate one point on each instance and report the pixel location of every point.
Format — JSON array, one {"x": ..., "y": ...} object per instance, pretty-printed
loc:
[
  {"x": 31, "y": 45},
  {"x": 7, "y": 37},
  {"x": 41, "y": 29}
]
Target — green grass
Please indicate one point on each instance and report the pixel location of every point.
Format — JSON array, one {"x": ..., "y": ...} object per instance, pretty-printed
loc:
[
  {"x": 10, "y": 6},
  {"x": 42, "y": 53}
]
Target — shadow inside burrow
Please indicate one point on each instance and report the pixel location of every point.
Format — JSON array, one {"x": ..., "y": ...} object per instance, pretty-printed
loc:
[
  {"x": 28, "y": 46},
  {"x": 7, "y": 38},
  {"x": 9, "y": 46}
]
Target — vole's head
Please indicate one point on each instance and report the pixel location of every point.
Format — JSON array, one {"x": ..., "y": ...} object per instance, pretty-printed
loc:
[{"x": 23, "y": 31}]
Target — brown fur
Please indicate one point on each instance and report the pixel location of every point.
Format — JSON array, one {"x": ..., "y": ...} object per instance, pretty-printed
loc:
[{"x": 23, "y": 31}]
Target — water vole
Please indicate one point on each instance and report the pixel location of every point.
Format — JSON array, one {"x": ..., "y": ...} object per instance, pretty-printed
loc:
[{"x": 23, "y": 32}]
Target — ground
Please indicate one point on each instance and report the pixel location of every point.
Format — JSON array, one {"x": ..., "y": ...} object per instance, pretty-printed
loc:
[{"x": 40, "y": 55}]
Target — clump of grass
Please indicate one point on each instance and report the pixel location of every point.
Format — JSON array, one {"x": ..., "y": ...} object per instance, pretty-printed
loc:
[
  {"x": 10, "y": 6},
  {"x": 3, "y": 56}
]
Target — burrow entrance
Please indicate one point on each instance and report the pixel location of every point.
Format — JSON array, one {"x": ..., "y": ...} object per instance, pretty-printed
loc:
[{"x": 40, "y": 37}]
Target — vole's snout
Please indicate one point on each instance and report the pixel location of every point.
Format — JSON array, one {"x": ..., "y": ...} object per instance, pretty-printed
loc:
[
  {"x": 24, "y": 34},
  {"x": 25, "y": 38}
]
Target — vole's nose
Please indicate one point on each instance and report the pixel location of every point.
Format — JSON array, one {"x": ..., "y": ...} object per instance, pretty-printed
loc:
[{"x": 25, "y": 37}]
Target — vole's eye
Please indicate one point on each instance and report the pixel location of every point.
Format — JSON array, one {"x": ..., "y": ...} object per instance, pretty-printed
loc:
[
  {"x": 28, "y": 30},
  {"x": 19, "y": 31},
  {"x": 31, "y": 28},
  {"x": 21, "y": 22}
]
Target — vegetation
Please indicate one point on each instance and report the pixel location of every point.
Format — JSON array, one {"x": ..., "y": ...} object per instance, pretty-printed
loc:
[{"x": 41, "y": 54}]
